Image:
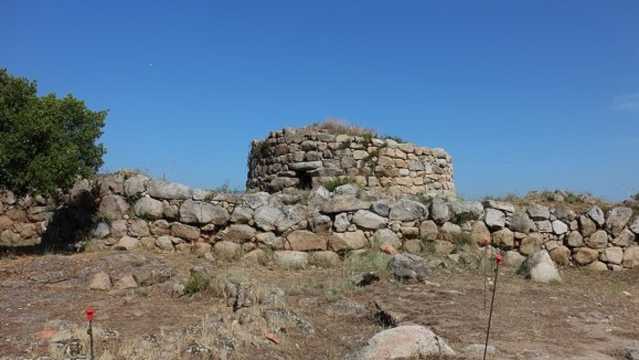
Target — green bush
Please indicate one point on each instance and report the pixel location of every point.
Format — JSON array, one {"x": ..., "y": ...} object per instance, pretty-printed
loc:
[
  {"x": 333, "y": 184},
  {"x": 46, "y": 142},
  {"x": 197, "y": 283}
]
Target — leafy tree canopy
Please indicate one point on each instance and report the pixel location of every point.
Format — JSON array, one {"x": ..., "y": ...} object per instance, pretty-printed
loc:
[{"x": 46, "y": 143}]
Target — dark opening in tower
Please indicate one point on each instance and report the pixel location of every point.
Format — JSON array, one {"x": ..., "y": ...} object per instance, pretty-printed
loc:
[{"x": 306, "y": 180}]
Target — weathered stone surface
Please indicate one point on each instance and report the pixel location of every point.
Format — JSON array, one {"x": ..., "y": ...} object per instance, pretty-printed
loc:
[
  {"x": 442, "y": 247},
  {"x": 634, "y": 227},
  {"x": 369, "y": 220},
  {"x": 564, "y": 213},
  {"x": 413, "y": 246},
  {"x": 584, "y": 255},
  {"x": 408, "y": 210},
  {"x": 290, "y": 259},
  {"x": 169, "y": 191},
  {"x": 403, "y": 342},
  {"x": 479, "y": 233},
  {"x": 199, "y": 212},
  {"x": 503, "y": 239},
  {"x": 386, "y": 236},
  {"x": 531, "y": 244},
  {"x": 617, "y": 219},
  {"x": 126, "y": 282},
  {"x": 324, "y": 259},
  {"x": 382, "y": 207},
  {"x": 135, "y": 185},
  {"x": 514, "y": 259},
  {"x": 347, "y": 189},
  {"x": 100, "y": 281},
  {"x": 242, "y": 215},
  {"x": 574, "y": 239},
  {"x": 303, "y": 240},
  {"x": 586, "y": 225},
  {"x": 256, "y": 200},
  {"x": 631, "y": 257},
  {"x": 450, "y": 232},
  {"x": 625, "y": 238},
  {"x": 186, "y": 232},
  {"x": 540, "y": 268},
  {"x": 439, "y": 211},
  {"x": 138, "y": 228},
  {"x": 238, "y": 233},
  {"x": 560, "y": 255},
  {"x": 559, "y": 227},
  {"x": 101, "y": 230},
  {"x": 538, "y": 212},
  {"x": 351, "y": 240},
  {"x": 113, "y": 207},
  {"x": 165, "y": 242},
  {"x": 227, "y": 250},
  {"x": 495, "y": 219},
  {"x": 341, "y": 222},
  {"x": 344, "y": 203},
  {"x": 466, "y": 210},
  {"x": 127, "y": 243},
  {"x": 321, "y": 224},
  {"x": 612, "y": 255},
  {"x": 598, "y": 240},
  {"x": 597, "y": 215},
  {"x": 293, "y": 215},
  {"x": 544, "y": 226},
  {"x": 428, "y": 230},
  {"x": 267, "y": 217},
  {"x": 500, "y": 205},
  {"x": 409, "y": 267},
  {"x": 521, "y": 222}
]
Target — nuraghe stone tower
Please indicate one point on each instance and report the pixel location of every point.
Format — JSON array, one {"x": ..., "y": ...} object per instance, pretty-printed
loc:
[{"x": 303, "y": 158}]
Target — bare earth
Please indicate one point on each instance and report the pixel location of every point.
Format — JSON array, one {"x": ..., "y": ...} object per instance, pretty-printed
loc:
[{"x": 588, "y": 316}]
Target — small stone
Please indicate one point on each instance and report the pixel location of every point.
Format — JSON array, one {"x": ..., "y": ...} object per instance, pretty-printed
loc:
[
  {"x": 100, "y": 281},
  {"x": 409, "y": 267},
  {"x": 127, "y": 243}
]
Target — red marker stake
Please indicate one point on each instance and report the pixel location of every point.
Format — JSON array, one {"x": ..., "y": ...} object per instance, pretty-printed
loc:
[
  {"x": 90, "y": 312},
  {"x": 492, "y": 301}
]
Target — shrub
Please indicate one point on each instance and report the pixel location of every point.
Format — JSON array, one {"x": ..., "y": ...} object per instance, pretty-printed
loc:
[
  {"x": 46, "y": 143},
  {"x": 337, "y": 126},
  {"x": 197, "y": 283}
]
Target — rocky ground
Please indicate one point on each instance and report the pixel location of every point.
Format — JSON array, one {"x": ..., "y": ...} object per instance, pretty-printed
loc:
[{"x": 170, "y": 306}]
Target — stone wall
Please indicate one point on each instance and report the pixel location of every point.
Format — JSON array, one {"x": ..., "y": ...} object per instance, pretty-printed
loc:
[
  {"x": 320, "y": 227},
  {"x": 303, "y": 158}
]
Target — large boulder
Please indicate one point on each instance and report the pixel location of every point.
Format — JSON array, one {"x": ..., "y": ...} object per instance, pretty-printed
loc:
[
  {"x": 584, "y": 255},
  {"x": 127, "y": 243},
  {"x": 409, "y": 267},
  {"x": 267, "y": 217},
  {"x": 199, "y": 212},
  {"x": 369, "y": 220},
  {"x": 618, "y": 218},
  {"x": 597, "y": 215},
  {"x": 304, "y": 240},
  {"x": 186, "y": 232},
  {"x": 521, "y": 222},
  {"x": 351, "y": 240},
  {"x": 598, "y": 240},
  {"x": 113, "y": 207},
  {"x": 462, "y": 211},
  {"x": 634, "y": 227},
  {"x": 574, "y": 239},
  {"x": 538, "y": 212},
  {"x": 500, "y": 205},
  {"x": 403, "y": 342},
  {"x": 242, "y": 215},
  {"x": 386, "y": 237},
  {"x": 479, "y": 233},
  {"x": 148, "y": 208},
  {"x": 238, "y": 233},
  {"x": 559, "y": 227},
  {"x": 227, "y": 250},
  {"x": 587, "y": 225},
  {"x": 439, "y": 211},
  {"x": 408, "y": 210},
  {"x": 631, "y": 257},
  {"x": 290, "y": 259},
  {"x": 169, "y": 190},
  {"x": 495, "y": 219},
  {"x": 343, "y": 203},
  {"x": 539, "y": 267},
  {"x": 135, "y": 185},
  {"x": 504, "y": 239}
]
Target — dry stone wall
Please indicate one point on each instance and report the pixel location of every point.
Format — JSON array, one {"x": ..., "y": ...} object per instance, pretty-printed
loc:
[
  {"x": 319, "y": 227},
  {"x": 303, "y": 158}
]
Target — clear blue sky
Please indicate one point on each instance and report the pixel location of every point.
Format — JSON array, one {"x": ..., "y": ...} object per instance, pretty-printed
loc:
[{"x": 524, "y": 94}]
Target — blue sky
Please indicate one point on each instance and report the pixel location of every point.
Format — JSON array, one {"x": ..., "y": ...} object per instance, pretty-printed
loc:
[{"x": 524, "y": 94}]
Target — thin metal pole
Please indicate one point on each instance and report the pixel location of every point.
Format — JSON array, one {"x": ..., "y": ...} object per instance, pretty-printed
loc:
[
  {"x": 492, "y": 302},
  {"x": 91, "y": 337}
]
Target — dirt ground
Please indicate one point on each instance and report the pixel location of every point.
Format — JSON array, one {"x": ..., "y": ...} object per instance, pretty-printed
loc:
[{"x": 588, "y": 316}]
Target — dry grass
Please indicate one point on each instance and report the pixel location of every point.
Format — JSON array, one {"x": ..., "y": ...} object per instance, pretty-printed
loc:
[{"x": 338, "y": 126}]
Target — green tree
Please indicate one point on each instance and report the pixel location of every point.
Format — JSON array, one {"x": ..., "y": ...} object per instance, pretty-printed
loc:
[{"x": 46, "y": 143}]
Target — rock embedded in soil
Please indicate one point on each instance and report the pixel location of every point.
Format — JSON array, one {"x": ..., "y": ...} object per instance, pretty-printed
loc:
[
  {"x": 409, "y": 267},
  {"x": 403, "y": 342},
  {"x": 539, "y": 267},
  {"x": 100, "y": 281}
]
